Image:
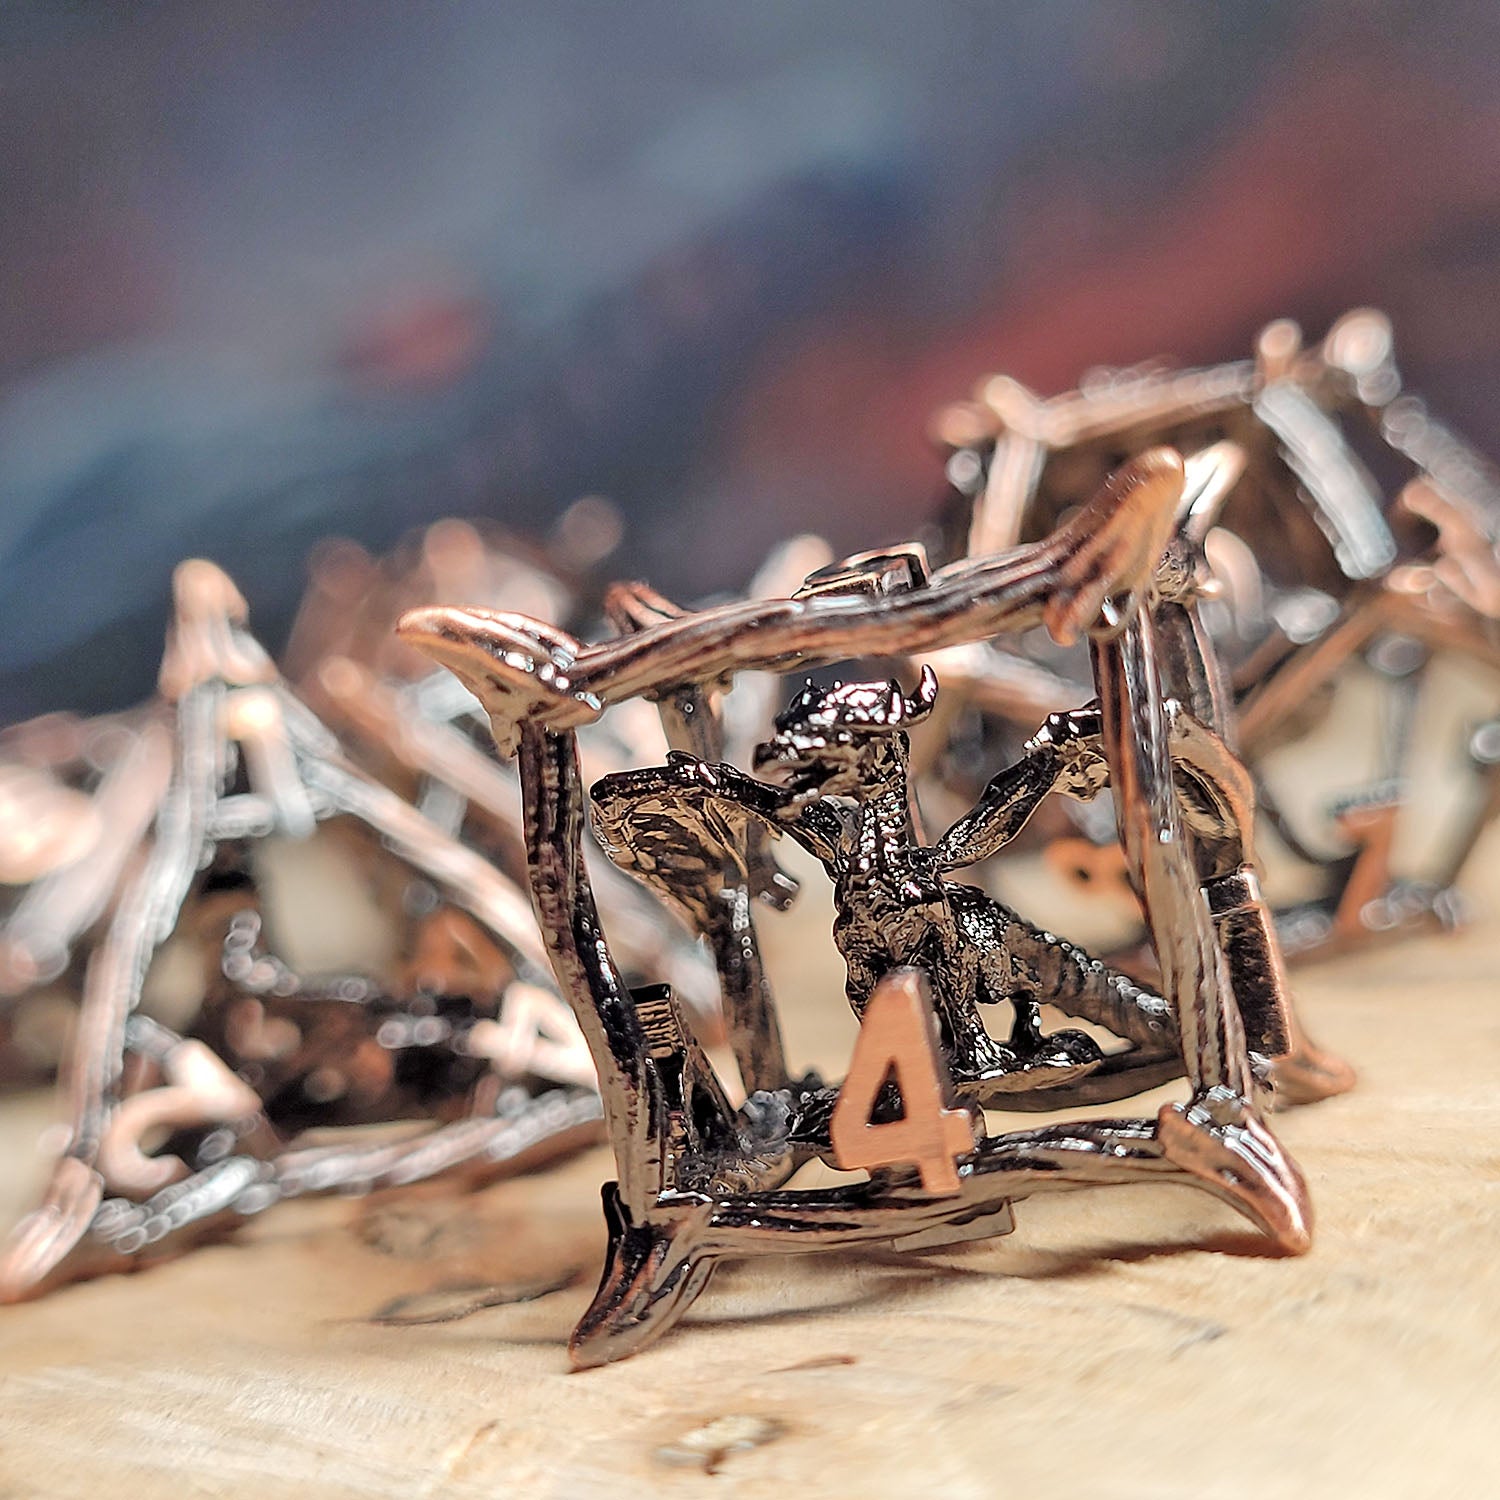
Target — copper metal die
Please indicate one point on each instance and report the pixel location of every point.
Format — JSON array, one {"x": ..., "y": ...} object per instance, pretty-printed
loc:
[
  {"x": 701, "y": 1177},
  {"x": 466, "y": 1038},
  {"x": 1312, "y": 571}
]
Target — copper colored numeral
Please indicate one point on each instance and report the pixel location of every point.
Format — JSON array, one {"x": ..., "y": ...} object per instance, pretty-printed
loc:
[
  {"x": 898, "y": 1041},
  {"x": 1098, "y": 869},
  {"x": 1372, "y": 830},
  {"x": 534, "y": 1034}
]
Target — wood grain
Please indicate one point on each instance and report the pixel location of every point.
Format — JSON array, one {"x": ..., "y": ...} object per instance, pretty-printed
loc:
[{"x": 1130, "y": 1345}]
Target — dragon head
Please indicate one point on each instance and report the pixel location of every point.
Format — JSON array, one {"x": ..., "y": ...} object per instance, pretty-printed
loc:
[{"x": 831, "y": 741}]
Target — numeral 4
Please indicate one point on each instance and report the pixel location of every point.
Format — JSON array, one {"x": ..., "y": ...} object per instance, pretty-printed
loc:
[{"x": 898, "y": 1042}]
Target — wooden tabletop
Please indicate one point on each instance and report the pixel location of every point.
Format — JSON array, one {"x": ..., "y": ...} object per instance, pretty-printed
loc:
[{"x": 1121, "y": 1345}]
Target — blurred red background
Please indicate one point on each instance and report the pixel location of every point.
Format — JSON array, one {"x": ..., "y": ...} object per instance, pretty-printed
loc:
[{"x": 274, "y": 270}]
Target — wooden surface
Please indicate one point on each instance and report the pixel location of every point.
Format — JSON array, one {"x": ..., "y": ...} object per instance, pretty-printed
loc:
[{"x": 1121, "y": 1345}]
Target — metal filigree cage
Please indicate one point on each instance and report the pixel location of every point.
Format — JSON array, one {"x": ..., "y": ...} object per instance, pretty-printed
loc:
[
  {"x": 173, "y": 1135},
  {"x": 1341, "y": 527},
  {"x": 699, "y": 1177}
]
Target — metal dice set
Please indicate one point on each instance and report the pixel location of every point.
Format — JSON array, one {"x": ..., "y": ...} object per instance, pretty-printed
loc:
[{"x": 1148, "y": 597}]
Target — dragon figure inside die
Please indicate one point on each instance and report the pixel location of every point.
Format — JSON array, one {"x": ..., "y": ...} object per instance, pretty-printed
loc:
[
  {"x": 842, "y": 756},
  {"x": 703, "y": 1175}
]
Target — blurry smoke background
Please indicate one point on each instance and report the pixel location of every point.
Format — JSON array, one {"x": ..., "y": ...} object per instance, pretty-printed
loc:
[{"x": 279, "y": 268}]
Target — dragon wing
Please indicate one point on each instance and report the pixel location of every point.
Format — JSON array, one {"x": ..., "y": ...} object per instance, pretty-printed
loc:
[{"x": 684, "y": 830}]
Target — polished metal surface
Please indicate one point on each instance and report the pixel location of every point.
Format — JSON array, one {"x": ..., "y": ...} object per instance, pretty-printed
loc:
[
  {"x": 700, "y": 1178},
  {"x": 1311, "y": 567},
  {"x": 173, "y": 1134}
]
